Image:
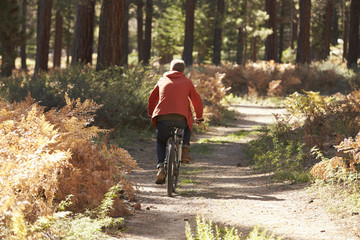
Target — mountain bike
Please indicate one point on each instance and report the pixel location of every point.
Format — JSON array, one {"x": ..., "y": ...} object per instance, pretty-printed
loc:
[{"x": 173, "y": 159}]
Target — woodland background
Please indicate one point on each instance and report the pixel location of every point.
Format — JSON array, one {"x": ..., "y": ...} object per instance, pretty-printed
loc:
[
  {"x": 202, "y": 31},
  {"x": 75, "y": 78}
]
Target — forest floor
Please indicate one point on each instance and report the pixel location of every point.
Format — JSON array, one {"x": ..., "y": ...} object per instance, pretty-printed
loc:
[{"x": 220, "y": 186}]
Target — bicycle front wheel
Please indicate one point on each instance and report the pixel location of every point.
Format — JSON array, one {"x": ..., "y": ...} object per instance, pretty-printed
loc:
[{"x": 170, "y": 170}]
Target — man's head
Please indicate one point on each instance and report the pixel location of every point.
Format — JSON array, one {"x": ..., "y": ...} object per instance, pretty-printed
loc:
[{"x": 177, "y": 65}]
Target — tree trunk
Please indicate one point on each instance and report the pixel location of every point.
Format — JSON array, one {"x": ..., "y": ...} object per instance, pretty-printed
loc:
[
  {"x": 111, "y": 31},
  {"x": 219, "y": 16},
  {"x": 303, "y": 50},
  {"x": 335, "y": 33},
  {"x": 43, "y": 35},
  {"x": 253, "y": 49},
  {"x": 327, "y": 30},
  {"x": 23, "y": 36},
  {"x": 140, "y": 32},
  {"x": 294, "y": 25},
  {"x": 353, "y": 34},
  {"x": 148, "y": 29},
  {"x": 346, "y": 32},
  {"x": 270, "y": 43},
  {"x": 189, "y": 32},
  {"x": 58, "y": 39},
  {"x": 281, "y": 31},
  {"x": 240, "y": 46},
  {"x": 82, "y": 47},
  {"x": 8, "y": 59},
  {"x": 124, "y": 61}
]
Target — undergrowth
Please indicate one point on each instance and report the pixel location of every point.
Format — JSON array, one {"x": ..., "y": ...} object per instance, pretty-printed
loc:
[
  {"x": 205, "y": 230},
  {"x": 46, "y": 156},
  {"x": 313, "y": 120},
  {"x": 92, "y": 224}
]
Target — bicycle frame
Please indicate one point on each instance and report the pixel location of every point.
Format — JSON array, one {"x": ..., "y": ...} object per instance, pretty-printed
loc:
[{"x": 173, "y": 159}]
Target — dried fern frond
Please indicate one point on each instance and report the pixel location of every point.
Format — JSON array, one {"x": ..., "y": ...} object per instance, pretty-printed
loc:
[{"x": 46, "y": 156}]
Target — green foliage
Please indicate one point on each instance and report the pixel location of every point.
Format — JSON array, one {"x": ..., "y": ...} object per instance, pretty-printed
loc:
[
  {"x": 171, "y": 21},
  {"x": 108, "y": 201},
  {"x": 206, "y": 230},
  {"x": 256, "y": 234},
  {"x": 122, "y": 92},
  {"x": 203, "y": 31},
  {"x": 65, "y": 203},
  {"x": 92, "y": 224},
  {"x": 202, "y": 148},
  {"x": 279, "y": 149},
  {"x": 307, "y": 106},
  {"x": 288, "y": 55},
  {"x": 124, "y": 95}
]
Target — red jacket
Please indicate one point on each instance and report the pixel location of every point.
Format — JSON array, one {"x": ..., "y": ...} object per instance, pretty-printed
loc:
[{"x": 171, "y": 95}]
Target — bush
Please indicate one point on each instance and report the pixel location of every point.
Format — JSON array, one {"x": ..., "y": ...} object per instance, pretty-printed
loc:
[
  {"x": 321, "y": 122},
  {"x": 279, "y": 149},
  {"x": 121, "y": 92},
  {"x": 207, "y": 230},
  {"x": 212, "y": 92},
  {"x": 267, "y": 78},
  {"x": 47, "y": 156}
]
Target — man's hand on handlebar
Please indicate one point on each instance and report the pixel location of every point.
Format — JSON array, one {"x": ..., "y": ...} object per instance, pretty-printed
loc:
[{"x": 199, "y": 121}]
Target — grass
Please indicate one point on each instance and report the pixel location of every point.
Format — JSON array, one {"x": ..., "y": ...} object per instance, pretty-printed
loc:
[
  {"x": 202, "y": 149},
  {"x": 338, "y": 199},
  {"x": 189, "y": 181},
  {"x": 184, "y": 171},
  {"x": 232, "y": 137},
  {"x": 187, "y": 192},
  {"x": 129, "y": 137},
  {"x": 208, "y": 230}
]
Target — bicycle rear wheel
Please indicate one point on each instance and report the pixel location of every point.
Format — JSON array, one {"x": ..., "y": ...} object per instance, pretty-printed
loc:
[
  {"x": 170, "y": 169},
  {"x": 176, "y": 166}
]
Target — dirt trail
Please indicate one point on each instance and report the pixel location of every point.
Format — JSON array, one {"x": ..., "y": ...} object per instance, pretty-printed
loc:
[{"x": 221, "y": 187}]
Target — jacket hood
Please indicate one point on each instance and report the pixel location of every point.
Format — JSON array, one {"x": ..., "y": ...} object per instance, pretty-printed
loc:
[{"x": 174, "y": 74}]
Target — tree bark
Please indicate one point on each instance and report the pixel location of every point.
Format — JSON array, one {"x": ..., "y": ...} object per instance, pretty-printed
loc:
[
  {"x": 270, "y": 43},
  {"x": 43, "y": 35},
  {"x": 294, "y": 25},
  {"x": 140, "y": 32},
  {"x": 58, "y": 39},
  {"x": 327, "y": 30},
  {"x": 189, "y": 33},
  {"x": 240, "y": 46},
  {"x": 219, "y": 16},
  {"x": 111, "y": 31},
  {"x": 303, "y": 50},
  {"x": 335, "y": 33},
  {"x": 124, "y": 61},
  {"x": 23, "y": 36},
  {"x": 353, "y": 34},
  {"x": 82, "y": 47},
  {"x": 346, "y": 32},
  {"x": 281, "y": 31},
  {"x": 148, "y": 30}
]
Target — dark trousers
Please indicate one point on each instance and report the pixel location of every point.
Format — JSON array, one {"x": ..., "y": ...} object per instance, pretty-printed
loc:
[{"x": 163, "y": 133}]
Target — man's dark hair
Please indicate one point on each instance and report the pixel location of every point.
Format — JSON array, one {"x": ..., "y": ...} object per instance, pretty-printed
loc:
[{"x": 177, "y": 65}]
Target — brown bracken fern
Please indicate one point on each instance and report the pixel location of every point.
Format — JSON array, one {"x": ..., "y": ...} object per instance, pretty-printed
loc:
[{"x": 45, "y": 156}]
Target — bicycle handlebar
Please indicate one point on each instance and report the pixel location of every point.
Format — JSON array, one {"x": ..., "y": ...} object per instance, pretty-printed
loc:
[{"x": 198, "y": 121}]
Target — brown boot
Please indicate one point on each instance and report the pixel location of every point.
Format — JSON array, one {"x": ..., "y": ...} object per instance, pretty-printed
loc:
[
  {"x": 185, "y": 156},
  {"x": 160, "y": 177}
]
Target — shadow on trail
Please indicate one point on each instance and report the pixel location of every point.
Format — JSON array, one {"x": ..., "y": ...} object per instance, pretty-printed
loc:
[{"x": 225, "y": 173}]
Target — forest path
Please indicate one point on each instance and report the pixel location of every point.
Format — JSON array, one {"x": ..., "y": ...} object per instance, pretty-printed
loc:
[{"x": 220, "y": 186}]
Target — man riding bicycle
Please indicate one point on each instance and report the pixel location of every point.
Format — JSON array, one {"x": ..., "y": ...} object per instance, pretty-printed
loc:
[{"x": 169, "y": 105}]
